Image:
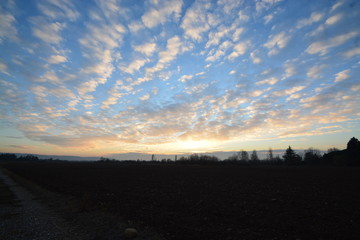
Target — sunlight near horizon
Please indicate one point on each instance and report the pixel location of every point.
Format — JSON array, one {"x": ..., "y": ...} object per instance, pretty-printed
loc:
[{"x": 195, "y": 145}]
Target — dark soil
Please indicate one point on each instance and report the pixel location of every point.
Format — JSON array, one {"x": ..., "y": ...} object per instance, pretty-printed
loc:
[{"x": 213, "y": 202}]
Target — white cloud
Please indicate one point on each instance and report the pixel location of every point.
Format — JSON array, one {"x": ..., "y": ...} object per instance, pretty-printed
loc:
[
  {"x": 114, "y": 95},
  {"x": 7, "y": 27},
  {"x": 290, "y": 91},
  {"x": 343, "y": 75},
  {"x": 322, "y": 47},
  {"x": 229, "y": 5},
  {"x": 147, "y": 48},
  {"x": 290, "y": 70},
  {"x": 237, "y": 33},
  {"x": 185, "y": 78},
  {"x": 59, "y": 9},
  {"x": 232, "y": 72},
  {"x": 161, "y": 12},
  {"x": 268, "y": 18},
  {"x": 219, "y": 52},
  {"x": 255, "y": 59},
  {"x": 315, "y": 71},
  {"x": 352, "y": 52},
  {"x": 39, "y": 91},
  {"x": 62, "y": 92},
  {"x": 173, "y": 48},
  {"x": 337, "y": 5},
  {"x": 145, "y": 97},
  {"x": 270, "y": 81},
  {"x": 356, "y": 88},
  {"x": 314, "y": 17},
  {"x": 262, "y": 5},
  {"x": 136, "y": 26},
  {"x": 333, "y": 19},
  {"x": 216, "y": 36},
  {"x": 4, "y": 68},
  {"x": 48, "y": 32},
  {"x": 56, "y": 59},
  {"x": 277, "y": 42},
  {"x": 239, "y": 49},
  {"x": 155, "y": 90},
  {"x": 86, "y": 87},
  {"x": 134, "y": 66},
  {"x": 195, "y": 21}
]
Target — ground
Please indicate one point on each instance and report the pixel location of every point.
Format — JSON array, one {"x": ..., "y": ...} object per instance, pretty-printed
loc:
[{"x": 208, "y": 202}]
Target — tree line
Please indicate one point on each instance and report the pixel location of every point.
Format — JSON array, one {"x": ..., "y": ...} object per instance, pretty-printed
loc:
[{"x": 347, "y": 157}]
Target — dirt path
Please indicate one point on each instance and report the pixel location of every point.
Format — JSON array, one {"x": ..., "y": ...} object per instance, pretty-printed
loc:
[
  {"x": 28, "y": 218},
  {"x": 41, "y": 215}
]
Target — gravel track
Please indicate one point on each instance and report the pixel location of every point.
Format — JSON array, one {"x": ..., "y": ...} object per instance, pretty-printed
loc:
[
  {"x": 41, "y": 215},
  {"x": 28, "y": 218}
]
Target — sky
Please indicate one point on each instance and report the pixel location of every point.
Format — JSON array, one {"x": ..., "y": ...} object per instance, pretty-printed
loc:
[{"x": 107, "y": 77}]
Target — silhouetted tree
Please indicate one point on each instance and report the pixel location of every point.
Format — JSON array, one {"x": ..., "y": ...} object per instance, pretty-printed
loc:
[
  {"x": 353, "y": 151},
  {"x": 270, "y": 155},
  {"x": 291, "y": 158},
  {"x": 244, "y": 156},
  {"x": 332, "y": 150},
  {"x": 312, "y": 156},
  {"x": 254, "y": 157},
  {"x": 8, "y": 157}
]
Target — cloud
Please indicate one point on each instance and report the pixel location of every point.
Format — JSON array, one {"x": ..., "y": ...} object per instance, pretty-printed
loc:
[
  {"x": 333, "y": 19},
  {"x": 147, "y": 48},
  {"x": 48, "y": 32},
  {"x": 100, "y": 47},
  {"x": 262, "y": 5},
  {"x": 343, "y": 75},
  {"x": 277, "y": 42},
  {"x": 337, "y": 5},
  {"x": 239, "y": 49},
  {"x": 18, "y": 146},
  {"x": 7, "y": 26},
  {"x": 268, "y": 18},
  {"x": 49, "y": 77},
  {"x": 62, "y": 92},
  {"x": 195, "y": 22},
  {"x": 114, "y": 94},
  {"x": 322, "y": 47},
  {"x": 56, "y": 9},
  {"x": 237, "y": 34},
  {"x": 229, "y": 5},
  {"x": 4, "y": 68},
  {"x": 134, "y": 65},
  {"x": 216, "y": 36},
  {"x": 160, "y": 13},
  {"x": 135, "y": 26},
  {"x": 287, "y": 92},
  {"x": 352, "y": 52},
  {"x": 185, "y": 78},
  {"x": 255, "y": 59},
  {"x": 174, "y": 47},
  {"x": 270, "y": 81},
  {"x": 56, "y": 59},
  {"x": 314, "y": 17},
  {"x": 355, "y": 88},
  {"x": 290, "y": 70},
  {"x": 145, "y": 97},
  {"x": 315, "y": 71},
  {"x": 213, "y": 56}
]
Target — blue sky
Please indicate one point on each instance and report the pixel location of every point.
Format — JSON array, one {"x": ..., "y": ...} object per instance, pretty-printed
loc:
[{"x": 95, "y": 78}]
